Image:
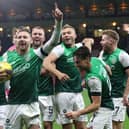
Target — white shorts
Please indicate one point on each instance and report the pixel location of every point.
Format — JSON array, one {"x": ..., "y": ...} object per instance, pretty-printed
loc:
[
  {"x": 67, "y": 102},
  {"x": 27, "y": 113},
  {"x": 101, "y": 119},
  {"x": 119, "y": 112},
  {"x": 47, "y": 107},
  {"x": 3, "y": 114}
]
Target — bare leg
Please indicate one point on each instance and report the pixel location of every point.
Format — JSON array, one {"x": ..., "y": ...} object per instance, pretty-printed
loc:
[
  {"x": 80, "y": 125},
  {"x": 117, "y": 125},
  {"x": 1, "y": 127},
  {"x": 34, "y": 127},
  {"x": 67, "y": 126},
  {"x": 48, "y": 125}
]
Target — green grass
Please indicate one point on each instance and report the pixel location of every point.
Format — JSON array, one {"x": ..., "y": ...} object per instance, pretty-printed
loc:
[{"x": 126, "y": 123}]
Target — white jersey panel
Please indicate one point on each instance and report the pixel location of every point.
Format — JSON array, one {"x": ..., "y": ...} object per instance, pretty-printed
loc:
[
  {"x": 95, "y": 84},
  {"x": 124, "y": 59}
]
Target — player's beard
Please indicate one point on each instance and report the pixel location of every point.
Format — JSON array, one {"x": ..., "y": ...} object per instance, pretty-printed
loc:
[
  {"x": 36, "y": 44},
  {"x": 69, "y": 42},
  {"x": 23, "y": 47}
]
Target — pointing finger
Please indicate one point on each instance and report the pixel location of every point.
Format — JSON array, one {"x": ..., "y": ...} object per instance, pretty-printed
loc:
[{"x": 56, "y": 5}]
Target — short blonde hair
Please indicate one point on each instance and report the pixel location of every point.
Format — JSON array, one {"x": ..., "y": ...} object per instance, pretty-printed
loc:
[
  {"x": 112, "y": 33},
  {"x": 68, "y": 26}
]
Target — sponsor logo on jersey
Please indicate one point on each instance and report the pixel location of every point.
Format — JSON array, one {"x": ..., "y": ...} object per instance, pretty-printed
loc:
[
  {"x": 113, "y": 60},
  {"x": 20, "y": 69}
]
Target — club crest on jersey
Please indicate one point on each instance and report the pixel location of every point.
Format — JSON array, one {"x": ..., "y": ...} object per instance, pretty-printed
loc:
[
  {"x": 113, "y": 60},
  {"x": 27, "y": 57}
]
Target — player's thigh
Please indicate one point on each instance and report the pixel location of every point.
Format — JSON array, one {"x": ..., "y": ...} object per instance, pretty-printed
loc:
[
  {"x": 13, "y": 120},
  {"x": 31, "y": 114},
  {"x": 64, "y": 103},
  {"x": 67, "y": 102},
  {"x": 78, "y": 105},
  {"x": 3, "y": 114},
  {"x": 47, "y": 107},
  {"x": 119, "y": 112},
  {"x": 101, "y": 119}
]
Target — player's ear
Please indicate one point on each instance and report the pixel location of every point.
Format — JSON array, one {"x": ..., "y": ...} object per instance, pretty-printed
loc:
[
  {"x": 44, "y": 38},
  {"x": 75, "y": 35}
]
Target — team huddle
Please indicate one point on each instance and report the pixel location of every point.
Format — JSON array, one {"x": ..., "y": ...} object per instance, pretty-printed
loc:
[{"x": 46, "y": 80}]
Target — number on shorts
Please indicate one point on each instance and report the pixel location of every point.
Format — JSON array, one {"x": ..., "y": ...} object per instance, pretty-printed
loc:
[
  {"x": 50, "y": 110},
  {"x": 116, "y": 110}
]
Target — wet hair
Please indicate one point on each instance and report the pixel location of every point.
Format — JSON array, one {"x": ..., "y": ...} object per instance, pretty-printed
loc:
[
  {"x": 82, "y": 53},
  {"x": 112, "y": 33}
]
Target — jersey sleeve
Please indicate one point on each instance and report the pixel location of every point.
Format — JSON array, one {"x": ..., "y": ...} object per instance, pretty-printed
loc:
[
  {"x": 104, "y": 64},
  {"x": 101, "y": 54},
  {"x": 54, "y": 40},
  {"x": 95, "y": 86},
  {"x": 124, "y": 59},
  {"x": 40, "y": 53},
  {"x": 58, "y": 50}
]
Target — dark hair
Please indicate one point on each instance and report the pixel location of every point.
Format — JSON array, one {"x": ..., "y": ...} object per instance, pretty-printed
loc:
[
  {"x": 82, "y": 52},
  {"x": 38, "y": 27}
]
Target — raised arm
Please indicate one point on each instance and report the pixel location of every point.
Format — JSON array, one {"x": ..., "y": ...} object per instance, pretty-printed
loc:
[
  {"x": 88, "y": 42},
  {"x": 58, "y": 15}
]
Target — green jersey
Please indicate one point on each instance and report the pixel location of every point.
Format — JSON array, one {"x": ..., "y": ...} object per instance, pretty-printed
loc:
[
  {"x": 118, "y": 60},
  {"x": 98, "y": 83},
  {"x": 26, "y": 69},
  {"x": 2, "y": 94},
  {"x": 2, "y": 91},
  {"x": 65, "y": 64},
  {"x": 45, "y": 82},
  {"x": 45, "y": 85}
]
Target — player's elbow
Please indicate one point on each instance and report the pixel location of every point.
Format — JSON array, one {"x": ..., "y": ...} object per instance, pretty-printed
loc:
[{"x": 46, "y": 63}]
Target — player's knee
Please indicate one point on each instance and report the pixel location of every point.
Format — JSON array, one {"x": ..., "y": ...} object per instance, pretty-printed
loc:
[
  {"x": 47, "y": 125},
  {"x": 34, "y": 127}
]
